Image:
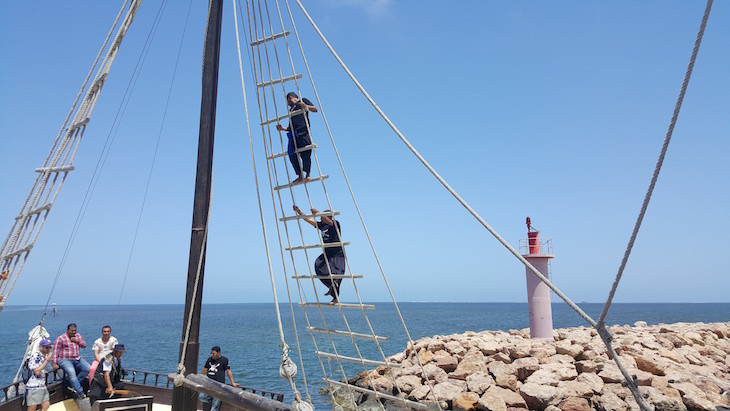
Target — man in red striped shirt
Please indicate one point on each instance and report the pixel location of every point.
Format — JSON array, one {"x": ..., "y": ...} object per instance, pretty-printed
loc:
[{"x": 66, "y": 355}]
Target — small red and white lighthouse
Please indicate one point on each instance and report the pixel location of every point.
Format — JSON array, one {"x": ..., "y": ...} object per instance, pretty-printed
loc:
[{"x": 538, "y": 293}]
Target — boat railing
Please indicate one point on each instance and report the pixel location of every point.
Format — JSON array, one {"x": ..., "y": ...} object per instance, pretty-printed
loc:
[
  {"x": 12, "y": 391},
  {"x": 156, "y": 379}
]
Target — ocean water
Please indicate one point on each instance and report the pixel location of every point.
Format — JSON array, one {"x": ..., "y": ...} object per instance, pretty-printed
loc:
[{"x": 249, "y": 336}]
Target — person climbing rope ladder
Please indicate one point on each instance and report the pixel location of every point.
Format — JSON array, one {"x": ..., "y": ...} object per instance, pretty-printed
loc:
[
  {"x": 332, "y": 260},
  {"x": 298, "y": 133}
]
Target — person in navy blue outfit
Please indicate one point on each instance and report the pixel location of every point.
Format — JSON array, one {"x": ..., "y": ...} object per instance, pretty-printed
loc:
[
  {"x": 298, "y": 133},
  {"x": 332, "y": 260}
]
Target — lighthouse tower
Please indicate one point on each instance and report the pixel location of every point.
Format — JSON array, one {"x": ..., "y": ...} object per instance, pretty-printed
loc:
[{"x": 538, "y": 293}]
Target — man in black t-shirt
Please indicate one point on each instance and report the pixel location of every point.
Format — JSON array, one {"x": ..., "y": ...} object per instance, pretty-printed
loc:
[
  {"x": 332, "y": 261},
  {"x": 298, "y": 133},
  {"x": 216, "y": 368}
]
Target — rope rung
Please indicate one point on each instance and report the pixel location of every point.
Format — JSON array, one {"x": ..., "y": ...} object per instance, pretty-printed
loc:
[
  {"x": 411, "y": 404},
  {"x": 357, "y": 360},
  {"x": 320, "y": 214},
  {"x": 269, "y": 38},
  {"x": 60, "y": 169},
  {"x": 347, "y": 334},
  {"x": 340, "y": 305},
  {"x": 36, "y": 211},
  {"x": 284, "y": 117},
  {"x": 17, "y": 253},
  {"x": 311, "y": 180},
  {"x": 327, "y": 277},
  {"x": 77, "y": 125},
  {"x": 279, "y": 80},
  {"x": 100, "y": 81},
  {"x": 322, "y": 245},
  {"x": 299, "y": 150}
]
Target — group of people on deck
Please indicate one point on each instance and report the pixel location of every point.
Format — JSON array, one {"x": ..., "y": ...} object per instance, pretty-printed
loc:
[
  {"x": 102, "y": 379},
  {"x": 104, "y": 374},
  {"x": 332, "y": 261}
]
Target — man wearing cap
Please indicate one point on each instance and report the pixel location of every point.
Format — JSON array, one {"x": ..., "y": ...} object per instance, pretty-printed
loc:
[
  {"x": 216, "y": 368},
  {"x": 66, "y": 355},
  {"x": 298, "y": 133},
  {"x": 332, "y": 261},
  {"x": 36, "y": 391},
  {"x": 108, "y": 376}
]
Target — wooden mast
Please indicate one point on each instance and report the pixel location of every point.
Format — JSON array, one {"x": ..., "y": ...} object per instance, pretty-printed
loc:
[{"x": 185, "y": 399}]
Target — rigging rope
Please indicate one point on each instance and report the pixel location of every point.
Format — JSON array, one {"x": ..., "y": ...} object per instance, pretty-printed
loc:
[
  {"x": 288, "y": 369},
  {"x": 660, "y": 161},
  {"x": 154, "y": 155},
  {"x": 442, "y": 181},
  {"x": 178, "y": 380},
  {"x": 21, "y": 239},
  {"x": 357, "y": 207}
]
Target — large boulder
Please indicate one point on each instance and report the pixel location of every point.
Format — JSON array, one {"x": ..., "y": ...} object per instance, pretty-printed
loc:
[
  {"x": 472, "y": 362},
  {"x": 660, "y": 401},
  {"x": 446, "y": 391},
  {"x": 408, "y": 383},
  {"x": 511, "y": 398},
  {"x": 432, "y": 372},
  {"x": 479, "y": 382},
  {"x": 465, "y": 401},
  {"x": 525, "y": 367},
  {"x": 574, "y": 404},
  {"x": 490, "y": 401},
  {"x": 446, "y": 362},
  {"x": 609, "y": 401},
  {"x": 537, "y": 396}
]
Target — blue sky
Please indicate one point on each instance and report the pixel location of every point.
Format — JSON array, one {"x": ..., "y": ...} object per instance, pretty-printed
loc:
[{"x": 556, "y": 111}]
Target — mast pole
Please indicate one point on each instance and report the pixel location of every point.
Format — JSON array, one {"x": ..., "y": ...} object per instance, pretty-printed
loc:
[{"x": 184, "y": 399}]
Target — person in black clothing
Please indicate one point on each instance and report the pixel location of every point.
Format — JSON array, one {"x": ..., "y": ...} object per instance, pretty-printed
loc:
[
  {"x": 216, "y": 368},
  {"x": 108, "y": 376},
  {"x": 298, "y": 133},
  {"x": 332, "y": 261}
]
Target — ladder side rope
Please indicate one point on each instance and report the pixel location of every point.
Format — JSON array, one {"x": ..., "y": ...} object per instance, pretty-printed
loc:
[
  {"x": 105, "y": 151},
  {"x": 178, "y": 381},
  {"x": 298, "y": 222},
  {"x": 354, "y": 284},
  {"x": 88, "y": 108},
  {"x": 20, "y": 227},
  {"x": 330, "y": 206},
  {"x": 660, "y": 161},
  {"x": 257, "y": 71},
  {"x": 186, "y": 339},
  {"x": 20, "y": 233},
  {"x": 302, "y": 296},
  {"x": 284, "y": 346},
  {"x": 154, "y": 156},
  {"x": 70, "y": 112}
]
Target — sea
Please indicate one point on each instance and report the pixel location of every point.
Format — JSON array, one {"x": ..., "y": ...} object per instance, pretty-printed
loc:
[{"x": 249, "y": 336}]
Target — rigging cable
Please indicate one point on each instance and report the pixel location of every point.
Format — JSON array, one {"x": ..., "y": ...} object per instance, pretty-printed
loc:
[
  {"x": 288, "y": 369},
  {"x": 154, "y": 156},
  {"x": 12, "y": 238},
  {"x": 605, "y": 335},
  {"x": 39, "y": 332},
  {"x": 352, "y": 195},
  {"x": 660, "y": 160},
  {"x": 107, "y": 145}
]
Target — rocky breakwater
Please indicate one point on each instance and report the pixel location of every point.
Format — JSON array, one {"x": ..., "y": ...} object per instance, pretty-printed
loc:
[{"x": 684, "y": 366}]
